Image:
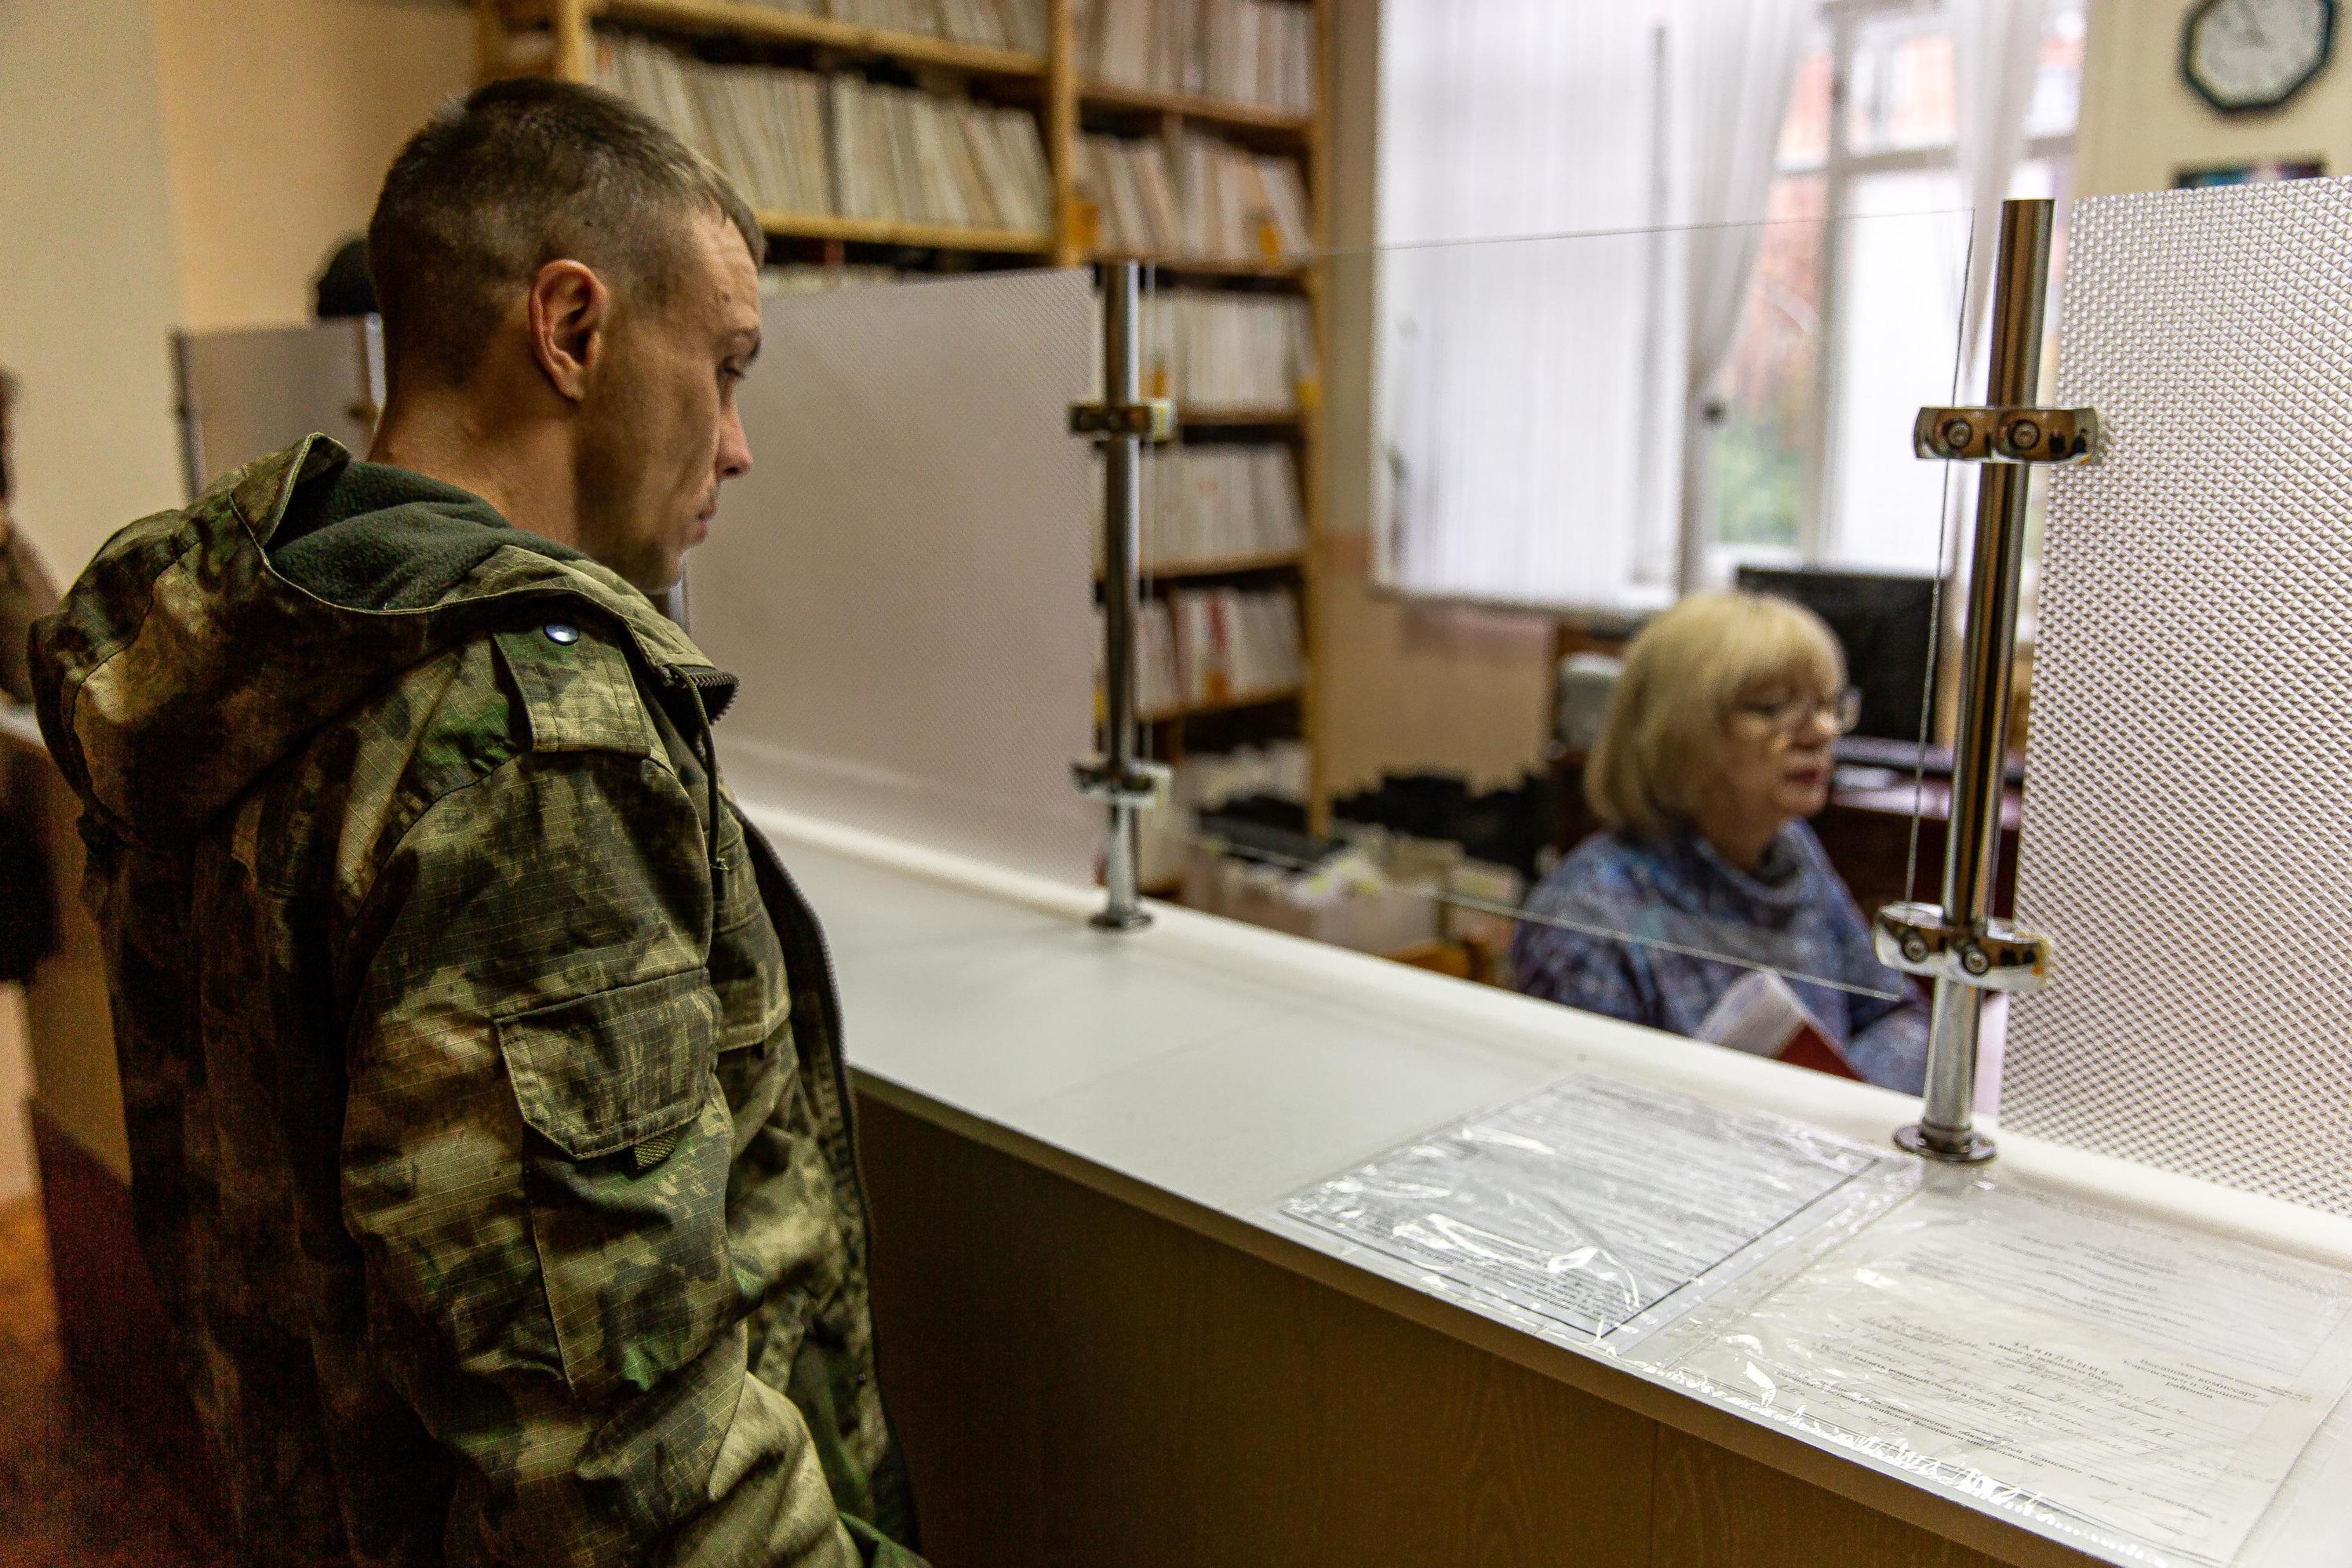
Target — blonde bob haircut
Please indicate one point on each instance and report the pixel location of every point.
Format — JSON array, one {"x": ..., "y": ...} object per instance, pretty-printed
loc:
[{"x": 1683, "y": 675}]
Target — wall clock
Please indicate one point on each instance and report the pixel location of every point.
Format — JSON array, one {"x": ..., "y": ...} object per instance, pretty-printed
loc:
[{"x": 2246, "y": 56}]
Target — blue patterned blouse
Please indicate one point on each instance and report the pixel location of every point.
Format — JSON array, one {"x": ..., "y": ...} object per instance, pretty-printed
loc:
[{"x": 1682, "y": 900}]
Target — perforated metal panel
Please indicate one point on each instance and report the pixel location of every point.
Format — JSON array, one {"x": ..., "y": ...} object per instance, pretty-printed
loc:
[{"x": 2188, "y": 833}]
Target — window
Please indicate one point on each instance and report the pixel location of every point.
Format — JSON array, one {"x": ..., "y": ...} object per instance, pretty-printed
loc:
[
  {"x": 1539, "y": 439},
  {"x": 1515, "y": 439},
  {"x": 1851, "y": 317}
]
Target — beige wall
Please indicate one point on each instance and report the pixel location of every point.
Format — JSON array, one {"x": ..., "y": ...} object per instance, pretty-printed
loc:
[
  {"x": 178, "y": 162},
  {"x": 2140, "y": 121},
  {"x": 88, "y": 289},
  {"x": 1427, "y": 690},
  {"x": 279, "y": 117},
  {"x": 168, "y": 162},
  {"x": 69, "y": 1025},
  {"x": 88, "y": 271},
  {"x": 1400, "y": 688}
]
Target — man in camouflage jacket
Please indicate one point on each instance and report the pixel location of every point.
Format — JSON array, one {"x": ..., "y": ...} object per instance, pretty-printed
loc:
[{"x": 490, "y": 1139}]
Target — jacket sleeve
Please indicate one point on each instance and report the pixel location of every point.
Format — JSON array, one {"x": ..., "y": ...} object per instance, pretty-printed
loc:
[
  {"x": 535, "y": 1164},
  {"x": 1889, "y": 1046},
  {"x": 1887, "y": 1018},
  {"x": 1576, "y": 968}
]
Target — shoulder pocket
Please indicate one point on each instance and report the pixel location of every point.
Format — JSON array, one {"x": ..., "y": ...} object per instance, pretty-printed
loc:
[
  {"x": 578, "y": 690},
  {"x": 600, "y": 1073}
]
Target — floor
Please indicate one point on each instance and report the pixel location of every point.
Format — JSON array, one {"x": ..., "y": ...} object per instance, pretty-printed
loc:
[{"x": 74, "y": 1488}]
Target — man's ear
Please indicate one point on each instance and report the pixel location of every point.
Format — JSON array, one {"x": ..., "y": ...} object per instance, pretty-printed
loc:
[{"x": 570, "y": 314}]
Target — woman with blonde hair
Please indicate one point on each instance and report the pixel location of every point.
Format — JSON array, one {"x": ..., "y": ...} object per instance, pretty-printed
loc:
[{"x": 1714, "y": 750}]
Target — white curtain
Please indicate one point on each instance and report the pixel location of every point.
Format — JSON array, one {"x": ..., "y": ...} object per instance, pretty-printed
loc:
[
  {"x": 1996, "y": 50},
  {"x": 1510, "y": 360},
  {"x": 1534, "y": 387},
  {"x": 1731, "y": 65}
]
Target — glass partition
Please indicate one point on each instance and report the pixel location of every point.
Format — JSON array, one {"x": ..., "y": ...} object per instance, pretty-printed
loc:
[
  {"x": 1475, "y": 637},
  {"x": 1471, "y": 636},
  {"x": 900, "y": 581}
]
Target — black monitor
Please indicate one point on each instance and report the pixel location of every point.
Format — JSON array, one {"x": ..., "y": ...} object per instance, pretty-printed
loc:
[{"x": 1887, "y": 623}]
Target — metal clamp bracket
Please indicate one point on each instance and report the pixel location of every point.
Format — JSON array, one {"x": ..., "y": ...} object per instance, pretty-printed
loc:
[
  {"x": 1152, "y": 419},
  {"x": 2006, "y": 435},
  {"x": 1143, "y": 785},
  {"x": 1919, "y": 939}
]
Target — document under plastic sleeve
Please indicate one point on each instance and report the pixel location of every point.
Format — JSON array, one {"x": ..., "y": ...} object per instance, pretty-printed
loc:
[
  {"x": 2109, "y": 1378},
  {"x": 1601, "y": 1210},
  {"x": 2137, "y": 1390}
]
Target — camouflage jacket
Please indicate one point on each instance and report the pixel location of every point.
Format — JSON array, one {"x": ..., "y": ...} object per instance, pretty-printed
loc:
[{"x": 490, "y": 1142}]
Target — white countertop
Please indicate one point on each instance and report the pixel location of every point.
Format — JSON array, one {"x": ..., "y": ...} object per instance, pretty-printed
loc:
[{"x": 1220, "y": 1067}]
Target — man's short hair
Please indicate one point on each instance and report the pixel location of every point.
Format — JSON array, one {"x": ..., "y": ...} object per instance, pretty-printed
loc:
[{"x": 523, "y": 172}]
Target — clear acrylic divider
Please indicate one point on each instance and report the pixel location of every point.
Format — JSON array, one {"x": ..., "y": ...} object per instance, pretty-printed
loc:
[
  {"x": 1502, "y": 515},
  {"x": 1395, "y": 762},
  {"x": 1488, "y": 490},
  {"x": 900, "y": 582}
]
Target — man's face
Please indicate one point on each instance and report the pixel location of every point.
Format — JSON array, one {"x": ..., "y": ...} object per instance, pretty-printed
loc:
[{"x": 660, "y": 432}]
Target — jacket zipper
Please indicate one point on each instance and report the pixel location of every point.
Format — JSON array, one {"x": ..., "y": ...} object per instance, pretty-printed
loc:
[
  {"x": 697, "y": 682},
  {"x": 810, "y": 931},
  {"x": 830, "y": 995}
]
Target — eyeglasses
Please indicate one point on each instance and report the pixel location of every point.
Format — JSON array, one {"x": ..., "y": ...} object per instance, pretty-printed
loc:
[{"x": 1844, "y": 711}]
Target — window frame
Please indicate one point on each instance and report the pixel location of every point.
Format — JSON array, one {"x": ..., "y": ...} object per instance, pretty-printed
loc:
[{"x": 1841, "y": 169}]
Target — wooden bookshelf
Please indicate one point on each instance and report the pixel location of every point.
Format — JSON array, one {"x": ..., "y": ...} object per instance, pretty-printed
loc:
[
  {"x": 1223, "y": 565},
  {"x": 1188, "y": 267},
  {"x": 1207, "y": 111},
  {"x": 1227, "y": 704},
  {"x": 766, "y": 24},
  {"x": 1132, "y": 113},
  {"x": 1225, "y": 418},
  {"x": 559, "y": 37},
  {"x": 931, "y": 236}
]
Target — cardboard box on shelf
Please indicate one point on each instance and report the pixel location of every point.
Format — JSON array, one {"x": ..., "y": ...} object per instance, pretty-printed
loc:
[{"x": 1369, "y": 917}]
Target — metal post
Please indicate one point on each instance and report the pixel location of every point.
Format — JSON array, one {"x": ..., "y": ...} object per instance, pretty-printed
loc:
[
  {"x": 1121, "y": 423},
  {"x": 1945, "y": 1129},
  {"x": 1122, "y": 552}
]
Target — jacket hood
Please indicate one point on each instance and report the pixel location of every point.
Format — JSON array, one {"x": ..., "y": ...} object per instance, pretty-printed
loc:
[{"x": 184, "y": 662}]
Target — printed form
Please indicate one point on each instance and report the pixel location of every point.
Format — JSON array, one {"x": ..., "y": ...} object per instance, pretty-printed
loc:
[
  {"x": 1595, "y": 1210},
  {"x": 2136, "y": 1381},
  {"x": 2109, "y": 1380}
]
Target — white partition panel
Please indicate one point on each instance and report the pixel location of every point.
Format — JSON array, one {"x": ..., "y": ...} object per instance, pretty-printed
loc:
[
  {"x": 256, "y": 390},
  {"x": 903, "y": 583},
  {"x": 2188, "y": 833}
]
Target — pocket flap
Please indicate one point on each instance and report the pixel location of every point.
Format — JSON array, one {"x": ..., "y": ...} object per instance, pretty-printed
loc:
[{"x": 600, "y": 1073}]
